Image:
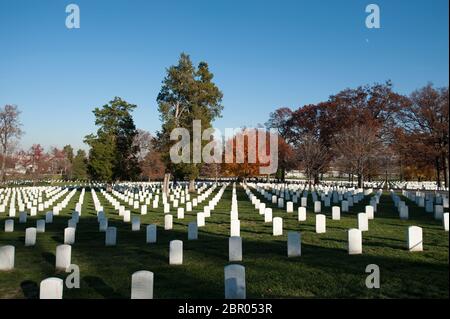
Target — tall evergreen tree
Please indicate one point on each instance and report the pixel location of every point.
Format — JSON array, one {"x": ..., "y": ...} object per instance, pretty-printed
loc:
[
  {"x": 79, "y": 168},
  {"x": 112, "y": 155},
  {"x": 187, "y": 94},
  {"x": 68, "y": 161}
]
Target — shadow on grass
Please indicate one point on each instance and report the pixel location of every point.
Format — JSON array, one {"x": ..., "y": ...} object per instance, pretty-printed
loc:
[
  {"x": 324, "y": 269},
  {"x": 49, "y": 258},
  {"x": 102, "y": 288},
  {"x": 30, "y": 289}
]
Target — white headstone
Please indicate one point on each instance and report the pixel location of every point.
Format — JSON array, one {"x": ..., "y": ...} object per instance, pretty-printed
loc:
[
  {"x": 321, "y": 224},
  {"x": 180, "y": 212},
  {"x": 200, "y": 219},
  {"x": 12, "y": 212},
  {"x": 151, "y": 234},
  {"x": 103, "y": 224},
  {"x": 317, "y": 207},
  {"x": 235, "y": 282},
  {"x": 166, "y": 208},
  {"x": 63, "y": 256},
  {"x": 262, "y": 208},
  {"x": 72, "y": 223},
  {"x": 142, "y": 285},
  {"x": 78, "y": 207},
  {"x": 9, "y": 225},
  {"x": 111, "y": 236},
  {"x": 30, "y": 236},
  {"x": 280, "y": 202},
  {"x": 7, "y": 257},
  {"x": 40, "y": 225},
  {"x": 176, "y": 252},
  {"x": 363, "y": 222},
  {"x": 168, "y": 222},
  {"x": 51, "y": 288},
  {"x": 429, "y": 206},
  {"x": 49, "y": 217},
  {"x": 135, "y": 223},
  {"x": 277, "y": 226},
  {"x": 76, "y": 216},
  {"x": 344, "y": 206},
  {"x": 404, "y": 212},
  {"x": 294, "y": 248},
  {"x": 370, "y": 212},
  {"x": 354, "y": 241},
  {"x": 438, "y": 212},
  {"x": 69, "y": 236},
  {"x": 415, "y": 238},
  {"x": 304, "y": 201},
  {"x": 22, "y": 217},
  {"x": 301, "y": 213},
  {"x": 274, "y": 199},
  {"x": 268, "y": 215},
  {"x": 192, "y": 231},
  {"x": 235, "y": 248},
  {"x": 289, "y": 207},
  {"x": 207, "y": 211},
  {"x": 445, "y": 221},
  {"x": 335, "y": 213},
  {"x": 126, "y": 216},
  {"x": 235, "y": 228}
]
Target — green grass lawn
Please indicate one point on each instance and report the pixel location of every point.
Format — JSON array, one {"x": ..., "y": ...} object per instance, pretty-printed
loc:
[{"x": 324, "y": 270}]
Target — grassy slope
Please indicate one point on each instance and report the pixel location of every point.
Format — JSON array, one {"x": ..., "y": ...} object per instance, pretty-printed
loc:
[{"x": 324, "y": 270}]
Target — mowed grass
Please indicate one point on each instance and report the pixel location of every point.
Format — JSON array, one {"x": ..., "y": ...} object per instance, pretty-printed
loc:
[{"x": 324, "y": 270}]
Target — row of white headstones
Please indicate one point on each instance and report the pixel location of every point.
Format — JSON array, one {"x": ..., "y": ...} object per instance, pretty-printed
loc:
[
  {"x": 270, "y": 193},
  {"x": 53, "y": 287},
  {"x": 235, "y": 242},
  {"x": 30, "y": 199}
]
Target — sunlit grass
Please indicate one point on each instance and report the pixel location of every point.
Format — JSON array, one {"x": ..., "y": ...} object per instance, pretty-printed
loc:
[{"x": 324, "y": 270}]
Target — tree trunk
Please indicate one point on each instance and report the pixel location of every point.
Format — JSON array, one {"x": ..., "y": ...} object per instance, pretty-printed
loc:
[
  {"x": 192, "y": 186},
  {"x": 316, "y": 179},
  {"x": 386, "y": 180},
  {"x": 438, "y": 173},
  {"x": 445, "y": 162},
  {"x": 3, "y": 169},
  {"x": 360, "y": 180},
  {"x": 3, "y": 166},
  {"x": 166, "y": 183}
]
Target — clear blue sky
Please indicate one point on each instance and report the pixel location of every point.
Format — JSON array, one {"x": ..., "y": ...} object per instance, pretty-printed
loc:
[{"x": 264, "y": 54}]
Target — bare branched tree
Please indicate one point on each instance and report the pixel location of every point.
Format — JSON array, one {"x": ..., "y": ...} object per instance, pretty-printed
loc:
[
  {"x": 10, "y": 132},
  {"x": 358, "y": 146},
  {"x": 312, "y": 156}
]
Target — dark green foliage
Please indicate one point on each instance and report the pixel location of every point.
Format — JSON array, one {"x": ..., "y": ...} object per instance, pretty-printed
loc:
[
  {"x": 68, "y": 151},
  {"x": 79, "y": 166},
  {"x": 113, "y": 155},
  {"x": 187, "y": 94}
]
